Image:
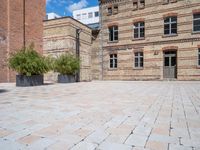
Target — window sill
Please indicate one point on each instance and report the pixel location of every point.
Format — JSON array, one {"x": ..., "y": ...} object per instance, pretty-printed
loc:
[
  {"x": 137, "y": 39},
  {"x": 110, "y": 42},
  {"x": 195, "y": 32},
  {"x": 112, "y": 69},
  {"x": 170, "y": 35},
  {"x": 139, "y": 68}
]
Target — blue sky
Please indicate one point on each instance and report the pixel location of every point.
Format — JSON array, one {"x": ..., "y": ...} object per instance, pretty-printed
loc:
[{"x": 65, "y": 7}]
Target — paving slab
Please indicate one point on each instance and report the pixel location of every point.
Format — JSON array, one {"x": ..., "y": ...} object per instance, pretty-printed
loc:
[{"x": 101, "y": 115}]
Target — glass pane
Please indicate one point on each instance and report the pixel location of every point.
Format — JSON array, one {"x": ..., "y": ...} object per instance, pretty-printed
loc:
[
  {"x": 173, "y": 61},
  {"x": 135, "y": 25},
  {"x": 166, "y": 31},
  {"x": 115, "y": 63},
  {"x": 174, "y": 31},
  {"x": 174, "y": 19},
  {"x": 116, "y": 36},
  {"x": 166, "y": 61},
  {"x": 142, "y": 24},
  {"x": 166, "y": 20},
  {"x": 196, "y": 28},
  {"x": 136, "y": 35}
]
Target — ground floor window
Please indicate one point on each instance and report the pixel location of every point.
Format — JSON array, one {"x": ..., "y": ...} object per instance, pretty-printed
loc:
[
  {"x": 139, "y": 60},
  {"x": 113, "y": 61}
]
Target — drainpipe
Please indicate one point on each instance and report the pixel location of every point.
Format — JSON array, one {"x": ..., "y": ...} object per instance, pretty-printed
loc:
[
  {"x": 101, "y": 41},
  {"x": 78, "y": 31},
  {"x": 24, "y": 23}
]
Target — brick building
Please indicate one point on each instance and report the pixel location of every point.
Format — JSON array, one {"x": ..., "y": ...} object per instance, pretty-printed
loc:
[
  {"x": 150, "y": 39},
  {"x": 21, "y": 23},
  {"x": 60, "y": 36}
]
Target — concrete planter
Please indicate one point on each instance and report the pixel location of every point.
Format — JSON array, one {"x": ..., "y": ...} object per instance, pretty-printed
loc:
[
  {"x": 66, "y": 78},
  {"x": 34, "y": 80}
]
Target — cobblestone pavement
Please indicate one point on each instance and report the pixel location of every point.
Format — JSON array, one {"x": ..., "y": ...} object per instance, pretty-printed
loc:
[{"x": 109, "y": 115}]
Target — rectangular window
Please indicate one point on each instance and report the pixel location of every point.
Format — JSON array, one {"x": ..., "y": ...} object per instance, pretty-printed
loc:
[
  {"x": 196, "y": 22},
  {"x": 199, "y": 56},
  {"x": 109, "y": 10},
  {"x": 96, "y": 14},
  {"x": 113, "y": 61},
  {"x": 115, "y": 9},
  {"x": 78, "y": 17},
  {"x": 139, "y": 30},
  {"x": 135, "y": 4},
  {"x": 139, "y": 60},
  {"x": 84, "y": 16},
  {"x": 90, "y": 15},
  {"x": 113, "y": 33},
  {"x": 170, "y": 25},
  {"x": 142, "y": 3}
]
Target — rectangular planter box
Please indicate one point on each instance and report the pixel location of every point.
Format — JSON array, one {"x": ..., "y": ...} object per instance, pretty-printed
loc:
[
  {"x": 66, "y": 79},
  {"x": 34, "y": 80}
]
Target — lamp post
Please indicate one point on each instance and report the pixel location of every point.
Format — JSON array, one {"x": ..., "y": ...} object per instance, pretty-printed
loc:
[{"x": 78, "y": 31}]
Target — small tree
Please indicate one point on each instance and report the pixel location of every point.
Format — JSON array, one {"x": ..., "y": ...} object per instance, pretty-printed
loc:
[{"x": 66, "y": 64}]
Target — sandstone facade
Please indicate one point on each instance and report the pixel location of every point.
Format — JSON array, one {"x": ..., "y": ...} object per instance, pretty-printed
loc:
[
  {"x": 185, "y": 44},
  {"x": 21, "y": 23},
  {"x": 60, "y": 37}
]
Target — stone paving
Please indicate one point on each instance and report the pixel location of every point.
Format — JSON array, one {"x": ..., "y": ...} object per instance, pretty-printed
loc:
[{"x": 110, "y": 115}]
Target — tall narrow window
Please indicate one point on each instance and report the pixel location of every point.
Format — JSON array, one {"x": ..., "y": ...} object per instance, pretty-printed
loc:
[
  {"x": 170, "y": 25},
  {"x": 109, "y": 10},
  {"x": 139, "y": 60},
  {"x": 135, "y": 4},
  {"x": 196, "y": 22},
  {"x": 113, "y": 61},
  {"x": 139, "y": 30},
  {"x": 96, "y": 14},
  {"x": 113, "y": 33},
  {"x": 115, "y": 9},
  {"x": 142, "y": 3},
  {"x": 199, "y": 56}
]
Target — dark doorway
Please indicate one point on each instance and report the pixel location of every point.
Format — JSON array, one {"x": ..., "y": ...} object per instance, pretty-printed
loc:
[{"x": 170, "y": 65}]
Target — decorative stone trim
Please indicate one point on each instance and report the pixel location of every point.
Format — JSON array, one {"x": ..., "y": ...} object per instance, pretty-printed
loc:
[
  {"x": 113, "y": 24},
  {"x": 170, "y": 48},
  {"x": 139, "y": 20},
  {"x": 170, "y": 15},
  {"x": 196, "y": 11}
]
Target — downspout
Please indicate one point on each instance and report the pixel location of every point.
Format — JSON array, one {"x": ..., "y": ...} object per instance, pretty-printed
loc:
[
  {"x": 24, "y": 23},
  {"x": 101, "y": 41}
]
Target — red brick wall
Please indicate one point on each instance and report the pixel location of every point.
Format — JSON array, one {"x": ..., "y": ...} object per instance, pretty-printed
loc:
[{"x": 13, "y": 24}]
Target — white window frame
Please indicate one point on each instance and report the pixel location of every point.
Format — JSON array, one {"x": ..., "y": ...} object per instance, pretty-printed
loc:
[
  {"x": 170, "y": 25},
  {"x": 113, "y": 58},
  {"x": 139, "y": 27},
  {"x": 140, "y": 55},
  {"x": 195, "y": 20},
  {"x": 115, "y": 31}
]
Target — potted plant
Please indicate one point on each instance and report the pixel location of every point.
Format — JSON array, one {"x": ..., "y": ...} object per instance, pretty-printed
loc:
[
  {"x": 67, "y": 66},
  {"x": 29, "y": 65}
]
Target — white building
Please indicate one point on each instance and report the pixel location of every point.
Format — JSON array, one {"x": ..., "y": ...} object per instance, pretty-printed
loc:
[
  {"x": 88, "y": 16},
  {"x": 52, "y": 15}
]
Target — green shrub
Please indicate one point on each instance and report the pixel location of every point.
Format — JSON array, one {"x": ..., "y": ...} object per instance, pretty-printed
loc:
[
  {"x": 28, "y": 62},
  {"x": 66, "y": 64}
]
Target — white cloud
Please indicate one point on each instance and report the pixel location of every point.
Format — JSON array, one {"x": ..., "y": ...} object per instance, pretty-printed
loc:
[{"x": 79, "y": 5}]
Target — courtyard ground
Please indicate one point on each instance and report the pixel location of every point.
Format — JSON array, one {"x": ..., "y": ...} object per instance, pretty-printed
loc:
[{"x": 110, "y": 115}]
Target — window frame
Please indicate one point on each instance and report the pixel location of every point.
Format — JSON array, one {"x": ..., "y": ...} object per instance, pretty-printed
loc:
[
  {"x": 113, "y": 61},
  {"x": 114, "y": 32},
  {"x": 170, "y": 23},
  {"x": 139, "y": 60},
  {"x": 138, "y": 27},
  {"x": 90, "y": 15},
  {"x": 198, "y": 19},
  {"x": 96, "y": 14},
  {"x": 198, "y": 61}
]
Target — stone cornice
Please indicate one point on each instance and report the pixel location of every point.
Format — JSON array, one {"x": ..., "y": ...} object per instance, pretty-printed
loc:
[{"x": 101, "y": 2}]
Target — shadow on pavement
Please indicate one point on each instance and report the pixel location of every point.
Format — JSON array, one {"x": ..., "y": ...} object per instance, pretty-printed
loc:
[{"x": 3, "y": 91}]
